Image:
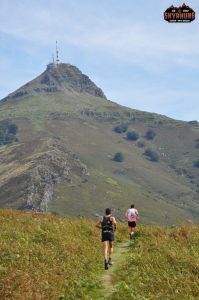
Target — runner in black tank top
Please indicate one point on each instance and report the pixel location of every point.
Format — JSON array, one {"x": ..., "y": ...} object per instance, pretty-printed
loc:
[
  {"x": 108, "y": 226},
  {"x": 107, "y": 229}
]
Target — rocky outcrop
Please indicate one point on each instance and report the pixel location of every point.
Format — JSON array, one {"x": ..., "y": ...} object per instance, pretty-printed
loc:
[
  {"x": 70, "y": 77},
  {"x": 34, "y": 188},
  {"x": 59, "y": 78},
  {"x": 59, "y": 164}
]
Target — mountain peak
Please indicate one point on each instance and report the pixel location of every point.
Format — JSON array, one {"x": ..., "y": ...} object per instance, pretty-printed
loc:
[{"x": 60, "y": 78}]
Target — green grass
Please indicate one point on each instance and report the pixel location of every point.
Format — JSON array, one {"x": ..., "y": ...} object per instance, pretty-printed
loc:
[
  {"x": 103, "y": 190},
  {"x": 162, "y": 264},
  {"x": 47, "y": 257},
  {"x": 163, "y": 186}
]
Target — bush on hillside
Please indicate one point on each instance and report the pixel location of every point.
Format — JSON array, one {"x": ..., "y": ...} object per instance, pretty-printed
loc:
[
  {"x": 140, "y": 144},
  {"x": 150, "y": 135},
  {"x": 194, "y": 122},
  {"x": 119, "y": 157},
  {"x": 152, "y": 155},
  {"x": 12, "y": 128},
  {"x": 8, "y": 131},
  {"x": 196, "y": 163},
  {"x": 121, "y": 128},
  {"x": 197, "y": 143},
  {"x": 132, "y": 136}
]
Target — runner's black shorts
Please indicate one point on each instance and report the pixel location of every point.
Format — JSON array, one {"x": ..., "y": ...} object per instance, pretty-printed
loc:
[
  {"x": 107, "y": 236},
  {"x": 132, "y": 224}
]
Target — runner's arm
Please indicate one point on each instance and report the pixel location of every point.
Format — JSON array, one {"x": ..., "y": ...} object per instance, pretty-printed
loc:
[
  {"x": 114, "y": 224},
  {"x": 126, "y": 214},
  {"x": 99, "y": 223}
]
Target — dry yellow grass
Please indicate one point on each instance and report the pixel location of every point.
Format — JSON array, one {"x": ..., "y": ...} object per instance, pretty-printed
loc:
[
  {"x": 162, "y": 264},
  {"x": 47, "y": 257}
]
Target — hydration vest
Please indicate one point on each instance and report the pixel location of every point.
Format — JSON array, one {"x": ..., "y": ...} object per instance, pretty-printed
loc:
[{"x": 107, "y": 224}]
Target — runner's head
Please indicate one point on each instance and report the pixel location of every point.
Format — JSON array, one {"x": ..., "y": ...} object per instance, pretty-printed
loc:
[
  {"x": 108, "y": 211},
  {"x": 132, "y": 205}
]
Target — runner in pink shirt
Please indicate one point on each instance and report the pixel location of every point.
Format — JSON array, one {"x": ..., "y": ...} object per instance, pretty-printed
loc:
[{"x": 131, "y": 215}]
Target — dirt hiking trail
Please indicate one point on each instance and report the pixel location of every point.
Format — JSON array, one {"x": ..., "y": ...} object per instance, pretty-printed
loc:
[{"x": 119, "y": 255}]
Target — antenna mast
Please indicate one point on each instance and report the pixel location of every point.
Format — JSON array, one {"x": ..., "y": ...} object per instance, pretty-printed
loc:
[{"x": 57, "y": 54}]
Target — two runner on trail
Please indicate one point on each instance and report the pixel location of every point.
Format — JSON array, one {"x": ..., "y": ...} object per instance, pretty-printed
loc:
[
  {"x": 108, "y": 225},
  {"x": 131, "y": 215}
]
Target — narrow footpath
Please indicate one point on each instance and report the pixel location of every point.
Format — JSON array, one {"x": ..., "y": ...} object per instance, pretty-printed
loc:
[{"x": 119, "y": 256}]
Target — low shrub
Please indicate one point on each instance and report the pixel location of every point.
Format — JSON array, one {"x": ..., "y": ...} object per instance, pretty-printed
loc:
[
  {"x": 196, "y": 163},
  {"x": 150, "y": 135},
  {"x": 152, "y": 155},
  {"x": 119, "y": 157},
  {"x": 140, "y": 144},
  {"x": 8, "y": 131},
  {"x": 121, "y": 128},
  {"x": 132, "y": 136}
]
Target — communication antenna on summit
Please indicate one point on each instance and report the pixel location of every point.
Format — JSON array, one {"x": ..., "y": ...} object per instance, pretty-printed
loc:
[
  {"x": 53, "y": 59},
  {"x": 57, "y": 54}
]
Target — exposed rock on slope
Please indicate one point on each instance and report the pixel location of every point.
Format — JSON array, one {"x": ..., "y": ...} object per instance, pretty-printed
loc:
[
  {"x": 50, "y": 167},
  {"x": 62, "y": 116},
  {"x": 56, "y": 78}
]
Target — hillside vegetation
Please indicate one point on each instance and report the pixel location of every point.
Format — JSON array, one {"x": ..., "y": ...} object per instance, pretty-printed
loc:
[
  {"x": 63, "y": 159},
  {"x": 163, "y": 263},
  {"x": 8, "y": 132},
  {"x": 45, "y": 257}
]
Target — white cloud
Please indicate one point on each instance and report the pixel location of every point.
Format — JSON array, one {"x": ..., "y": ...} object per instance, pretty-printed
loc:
[{"x": 131, "y": 41}]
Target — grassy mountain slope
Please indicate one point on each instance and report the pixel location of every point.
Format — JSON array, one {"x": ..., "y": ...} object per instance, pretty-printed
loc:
[{"x": 63, "y": 160}]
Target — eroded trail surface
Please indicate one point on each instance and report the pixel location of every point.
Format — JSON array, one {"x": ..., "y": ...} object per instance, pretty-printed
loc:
[{"x": 119, "y": 256}]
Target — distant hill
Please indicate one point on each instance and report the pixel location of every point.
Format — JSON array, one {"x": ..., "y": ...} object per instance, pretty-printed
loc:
[{"x": 67, "y": 139}]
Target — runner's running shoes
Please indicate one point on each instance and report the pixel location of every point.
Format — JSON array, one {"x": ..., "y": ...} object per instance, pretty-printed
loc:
[{"x": 106, "y": 265}]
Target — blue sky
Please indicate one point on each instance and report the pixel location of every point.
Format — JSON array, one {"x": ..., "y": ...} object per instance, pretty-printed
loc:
[{"x": 125, "y": 47}]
